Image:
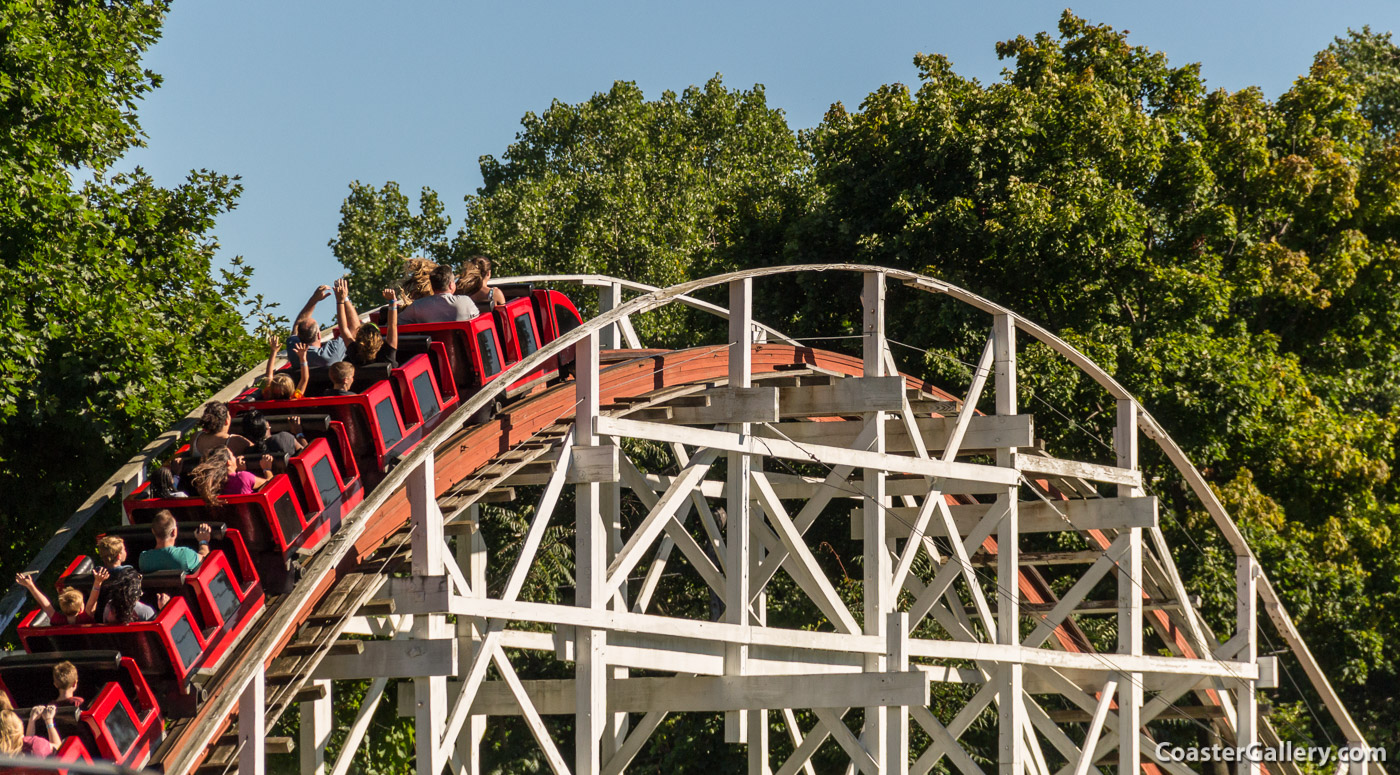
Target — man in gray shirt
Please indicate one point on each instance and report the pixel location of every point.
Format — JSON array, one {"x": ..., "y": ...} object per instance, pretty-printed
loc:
[{"x": 443, "y": 306}]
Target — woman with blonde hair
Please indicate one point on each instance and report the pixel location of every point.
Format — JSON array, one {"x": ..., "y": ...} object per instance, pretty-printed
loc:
[
  {"x": 18, "y": 740},
  {"x": 224, "y": 474},
  {"x": 278, "y": 387},
  {"x": 415, "y": 278}
]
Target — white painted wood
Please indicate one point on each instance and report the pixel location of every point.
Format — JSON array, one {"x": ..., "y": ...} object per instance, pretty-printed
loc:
[
  {"x": 1035, "y": 516},
  {"x": 429, "y": 561},
  {"x": 802, "y": 755},
  {"x": 708, "y": 694},
  {"x": 802, "y": 565},
  {"x": 730, "y": 404},
  {"x": 1035, "y": 465},
  {"x": 592, "y": 464},
  {"x": 895, "y": 756},
  {"x": 252, "y": 729},
  {"x": 741, "y": 333},
  {"x": 392, "y": 659},
  {"x": 1009, "y": 677},
  {"x": 852, "y": 395},
  {"x": 795, "y": 735},
  {"x": 877, "y": 569},
  {"x": 626, "y": 752},
  {"x": 957, "y": 477},
  {"x": 532, "y": 716},
  {"x": 1091, "y": 738},
  {"x": 359, "y": 727},
  {"x": 316, "y": 719},
  {"x": 944, "y": 744},
  {"x": 651, "y": 527},
  {"x": 984, "y": 432},
  {"x": 609, "y": 298},
  {"x": 1071, "y": 598},
  {"x": 831, "y": 718},
  {"x": 543, "y": 511},
  {"x": 974, "y": 392},
  {"x": 738, "y": 534},
  {"x": 1246, "y": 701}
]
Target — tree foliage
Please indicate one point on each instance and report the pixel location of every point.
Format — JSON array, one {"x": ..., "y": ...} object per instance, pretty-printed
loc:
[
  {"x": 378, "y": 231},
  {"x": 116, "y": 322},
  {"x": 1227, "y": 257}
]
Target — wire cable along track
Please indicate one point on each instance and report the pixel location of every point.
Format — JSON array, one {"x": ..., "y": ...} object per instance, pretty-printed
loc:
[{"x": 983, "y": 558}]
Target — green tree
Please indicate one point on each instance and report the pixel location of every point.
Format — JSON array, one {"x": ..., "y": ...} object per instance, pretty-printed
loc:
[
  {"x": 1228, "y": 258},
  {"x": 116, "y": 322},
  {"x": 657, "y": 191},
  {"x": 1373, "y": 62},
  {"x": 378, "y": 232}
]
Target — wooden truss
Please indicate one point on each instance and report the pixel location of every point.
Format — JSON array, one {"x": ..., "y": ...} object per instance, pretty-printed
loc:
[{"x": 942, "y": 499}]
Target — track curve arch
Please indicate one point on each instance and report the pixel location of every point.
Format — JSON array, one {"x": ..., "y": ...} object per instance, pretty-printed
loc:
[{"x": 927, "y": 521}]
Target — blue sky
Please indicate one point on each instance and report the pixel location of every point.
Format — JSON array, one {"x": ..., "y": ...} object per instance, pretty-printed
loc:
[{"x": 301, "y": 98}]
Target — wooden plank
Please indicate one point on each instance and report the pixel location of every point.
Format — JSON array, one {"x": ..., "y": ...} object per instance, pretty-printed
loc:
[
  {"x": 984, "y": 433},
  {"x": 955, "y": 477},
  {"x": 707, "y": 694},
  {"x": 392, "y": 659},
  {"x": 730, "y": 404},
  {"x": 1035, "y": 516},
  {"x": 853, "y": 395},
  {"x": 1033, "y": 465},
  {"x": 593, "y": 464}
]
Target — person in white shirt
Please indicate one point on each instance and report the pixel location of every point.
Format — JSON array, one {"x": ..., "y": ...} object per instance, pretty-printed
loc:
[{"x": 443, "y": 306}]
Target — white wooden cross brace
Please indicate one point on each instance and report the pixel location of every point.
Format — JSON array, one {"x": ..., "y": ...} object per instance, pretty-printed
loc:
[
  {"x": 949, "y": 744},
  {"x": 802, "y": 755},
  {"x": 532, "y": 716},
  {"x": 1076, "y": 593},
  {"x": 655, "y": 521},
  {"x": 951, "y": 569},
  {"x": 831, "y": 717},
  {"x": 795, "y": 734},
  {"x": 803, "y": 566},
  {"x": 634, "y": 742},
  {"x": 543, "y": 511},
  {"x": 676, "y": 535},
  {"x": 960, "y": 723}
]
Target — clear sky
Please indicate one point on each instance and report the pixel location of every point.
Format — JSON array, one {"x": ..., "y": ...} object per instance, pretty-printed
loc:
[{"x": 302, "y": 98}]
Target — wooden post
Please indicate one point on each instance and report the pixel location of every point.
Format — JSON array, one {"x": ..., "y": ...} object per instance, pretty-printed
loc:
[
  {"x": 609, "y": 296},
  {"x": 316, "y": 722},
  {"x": 896, "y": 761},
  {"x": 1129, "y": 600},
  {"x": 879, "y": 571},
  {"x": 737, "y": 530},
  {"x": 591, "y": 570},
  {"x": 429, "y": 692},
  {"x": 1246, "y": 703},
  {"x": 471, "y": 558},
  {"x": 1010, "y": 678},
  {"x": 252, "y": 727}
]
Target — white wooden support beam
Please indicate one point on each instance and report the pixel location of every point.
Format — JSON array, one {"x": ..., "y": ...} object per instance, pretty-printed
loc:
[
  {"x": 1246, "y": 615},
  {"x": 984, "y": 432},
  {"x": 393, "y": 659},
  {"x": 316, "y": 722},
  {"x": 955, "y": 477},
  {"x": 591, "y": 540},
  {"x": 730, "y": 404},
  {"x": 593, "y": 464},
  {"x": 1091, "y": 738},
  {"x": 878, "y": 570},
  {"x": 1010, "y": 677},
  {"x": 471, "y": 558},
  {"x": 738, "y": 531},
  {"x": 1034, "y": 516},
  {"x": 1130, "y": 594},
  {"x": 896, "y": 753},
  {"x": 359, "y": 727},
  {"x": 609, "y": 297},
  {"x": 429, "y": 561},
  {"x": 850, "y": 395},
  {"x": 252, "y": 727}
]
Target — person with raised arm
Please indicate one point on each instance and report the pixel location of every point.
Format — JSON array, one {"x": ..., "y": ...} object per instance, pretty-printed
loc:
[
  {"x": 166, "y": 555},
  {"x": 364, "y": 342},
  {"x": 306, "y": 330},
  {"x": 278, "y": 387}
]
